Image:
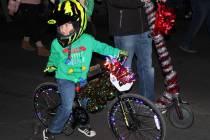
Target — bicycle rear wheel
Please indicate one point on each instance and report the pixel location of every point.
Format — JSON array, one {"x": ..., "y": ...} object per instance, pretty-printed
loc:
[
  {"x": 46, "y": 101},
  {"x": 144, "y": 120}
]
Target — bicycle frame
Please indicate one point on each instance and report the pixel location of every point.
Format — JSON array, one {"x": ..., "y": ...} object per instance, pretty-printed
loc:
[
  {"x": 124, "y": 113},
  {"x": 177, "y": 102}
]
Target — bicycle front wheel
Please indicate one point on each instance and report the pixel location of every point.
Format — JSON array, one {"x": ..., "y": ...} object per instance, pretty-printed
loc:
[
  {"x": 136, "y": 118},
  {"x": 46, "y": 101}
]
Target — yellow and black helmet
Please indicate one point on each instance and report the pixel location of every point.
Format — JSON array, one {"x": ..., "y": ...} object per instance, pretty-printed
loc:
[{"x": 69, "y": 11}]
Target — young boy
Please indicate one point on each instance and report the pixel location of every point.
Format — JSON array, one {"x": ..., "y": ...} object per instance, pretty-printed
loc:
[{"x": 70, "y": 58}]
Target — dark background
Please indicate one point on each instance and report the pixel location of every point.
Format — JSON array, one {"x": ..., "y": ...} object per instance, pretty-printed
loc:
[{"x": 22, "y": 71}]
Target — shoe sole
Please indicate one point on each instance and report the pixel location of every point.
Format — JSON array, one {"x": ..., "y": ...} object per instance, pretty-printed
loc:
[
  {"x": 85, "y": 133},
  {"x": 188, "y": 51}
]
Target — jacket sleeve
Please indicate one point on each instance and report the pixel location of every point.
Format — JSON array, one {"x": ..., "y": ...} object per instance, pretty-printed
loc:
[
  {"x": 104, "y": 49},
  {"x": 126, "y": 4},
  {"x": 54, "y": 56},
  {"x": 89, "y": 7}
]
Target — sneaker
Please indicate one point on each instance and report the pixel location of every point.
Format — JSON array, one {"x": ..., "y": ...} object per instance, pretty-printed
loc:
[
  {"x": 188, "y": 50},
  {"x": 87, "y": 131},
  {"x": 42, "y": 51},
  {"x": 27, "y": 46},
  {"x": 46, "y": 135}
]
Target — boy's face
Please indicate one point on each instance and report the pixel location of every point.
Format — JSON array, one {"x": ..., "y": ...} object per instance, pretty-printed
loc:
[{"x": 66, "y": 29}]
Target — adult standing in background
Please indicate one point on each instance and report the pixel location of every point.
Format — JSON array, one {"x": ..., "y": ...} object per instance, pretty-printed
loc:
[
  {"x": 89, "y": 7},
  {"x": 201, "y": 14},
  {"x": 29, "y": 16},
  {"x": 5, "y": 10},
  {"x": 128, "y": 25}
]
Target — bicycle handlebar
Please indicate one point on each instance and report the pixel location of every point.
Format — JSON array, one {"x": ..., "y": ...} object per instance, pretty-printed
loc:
[{"x": 121, "y": 77}]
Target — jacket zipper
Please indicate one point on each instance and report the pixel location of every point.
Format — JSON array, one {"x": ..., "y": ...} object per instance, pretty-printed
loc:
[
  {"x": 141, "y": 18},
  {"x": 121, "y": 14}
]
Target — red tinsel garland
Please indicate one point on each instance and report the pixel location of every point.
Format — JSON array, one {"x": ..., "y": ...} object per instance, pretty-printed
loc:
[
  {"x": 165, "y": 19},
  {"x": 161, "y": 22}
]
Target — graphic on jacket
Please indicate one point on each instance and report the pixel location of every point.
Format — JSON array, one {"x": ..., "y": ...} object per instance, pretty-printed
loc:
[{"x": 77, "y": 66}]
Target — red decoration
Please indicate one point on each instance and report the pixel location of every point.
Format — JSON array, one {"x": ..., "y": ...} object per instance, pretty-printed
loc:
[
  {"x": 82, "y": 48},
  {"x": 77, "y": 89},
  {"x": 124, "y": 75},
  {"x": 161, "y": 22},
  {"x": 65, "y": 50},
  {"x": 165, "y": 19}
]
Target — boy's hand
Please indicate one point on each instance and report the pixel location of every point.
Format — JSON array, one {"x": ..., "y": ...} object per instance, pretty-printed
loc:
[
  {"x": 123, "y": 53},
  {"x": 122, "y": 56},
  {"x": 50, "y": 69}
]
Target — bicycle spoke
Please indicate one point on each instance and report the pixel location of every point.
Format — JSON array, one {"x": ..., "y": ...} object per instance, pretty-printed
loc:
[
  {"x": 143, "y": 123},
  {"x": 45, "y": 102}
]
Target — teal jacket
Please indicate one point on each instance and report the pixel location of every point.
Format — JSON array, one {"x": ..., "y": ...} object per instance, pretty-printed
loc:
[
  {"x": 89, "y": 6},
  {"x": 81, "y": 53}
]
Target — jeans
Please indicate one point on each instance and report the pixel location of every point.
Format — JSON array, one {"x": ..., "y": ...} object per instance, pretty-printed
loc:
[
  {"x": 141, "y": 46},
  {"x": 67, "y": 93},
  {"x": 201, "y": 12}
]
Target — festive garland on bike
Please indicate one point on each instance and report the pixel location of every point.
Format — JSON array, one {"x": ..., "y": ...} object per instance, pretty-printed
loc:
[
  {"x": 100, "y": 90},
  {"x": 161, "y": 22}
]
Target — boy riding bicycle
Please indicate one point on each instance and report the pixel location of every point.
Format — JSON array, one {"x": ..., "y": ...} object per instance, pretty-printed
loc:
[{"x": 70, "y": 58}]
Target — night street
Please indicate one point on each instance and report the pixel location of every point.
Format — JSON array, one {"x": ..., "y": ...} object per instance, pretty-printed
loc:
[{"x": 22, "y": 71}]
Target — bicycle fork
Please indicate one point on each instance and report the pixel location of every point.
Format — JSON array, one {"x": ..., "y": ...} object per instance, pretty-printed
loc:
[
  {"x": 179, "y": 112},
  {"x": 125, "y": 114}
]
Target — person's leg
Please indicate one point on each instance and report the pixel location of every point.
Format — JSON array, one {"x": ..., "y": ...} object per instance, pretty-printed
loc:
[
  {"x": 198, "y": 17},
  {"x": 187, "y": 9},
  {"x": 23, "y": 18},
  {"x": 143, "y": 51},
  {"x": 144, "y": 62},
  {"x": 38, "y": 30},
  {"x": 85, "y": 128},
  {"x": 5, "y": 10},
  {"x": 67, "y": 93}
]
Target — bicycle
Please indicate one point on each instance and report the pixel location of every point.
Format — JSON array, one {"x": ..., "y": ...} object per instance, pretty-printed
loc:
[
  {"x": 130, "y": 116},
  {"x": 160, "y": 24},
  {"x": 180, "y": 114}
]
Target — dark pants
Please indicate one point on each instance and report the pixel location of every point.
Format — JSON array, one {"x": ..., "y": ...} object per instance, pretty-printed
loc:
[
  {"x": 201, "y": 14},
  {"x": 32, "y": 25},
  {"x": 187, "y": 6}
]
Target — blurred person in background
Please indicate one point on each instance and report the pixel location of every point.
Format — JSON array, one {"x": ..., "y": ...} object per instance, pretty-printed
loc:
[
  {"x": 5, "y": 10},
  {"x": 129, "y": 26},
  {"x": 200, "y": 14},
  {"x": 28, "y": 14},
  {"x": 89, "y": 7}
]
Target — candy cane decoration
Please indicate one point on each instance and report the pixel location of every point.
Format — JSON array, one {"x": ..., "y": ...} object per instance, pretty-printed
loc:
[{"x": 170, "y": 75}]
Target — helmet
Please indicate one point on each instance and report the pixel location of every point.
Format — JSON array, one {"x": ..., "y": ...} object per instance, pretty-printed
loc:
[{"x": 69, "y": 11}]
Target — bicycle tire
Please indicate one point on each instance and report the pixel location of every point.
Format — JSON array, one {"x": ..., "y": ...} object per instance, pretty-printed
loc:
[
  {"x": 46, "y": 100},
  {"x": 153, "y": 116},
  {"x": 46, "y": 110},
  {"x": 188, "y": 117}
]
